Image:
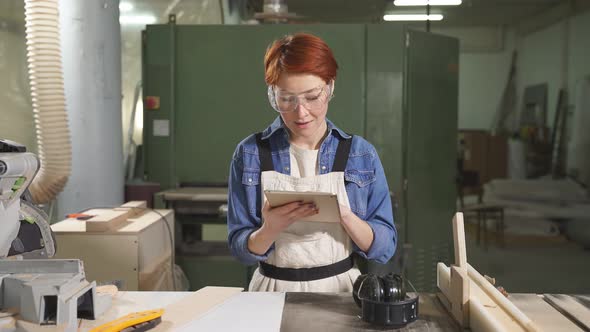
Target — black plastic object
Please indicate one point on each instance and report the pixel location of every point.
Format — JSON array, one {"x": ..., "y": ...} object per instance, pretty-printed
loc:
[
  {"x": 383, "y": 300},
  {"x": 10, "y": 146}
]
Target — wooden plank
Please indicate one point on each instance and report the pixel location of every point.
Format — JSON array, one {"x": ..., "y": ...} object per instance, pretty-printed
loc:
[
  {"x": 459, "y": 240},
  {"x": 193, "y": 306},
  {"x": 571, "y": 308},
  {"x": 146, "y": 220},
  {"x": 443, "y": 279},
  {"x": 200, "y": 194},
  {"x": 542, "y": 313},
  {"x": 526, "y": 323},
  {"x": 135, "y": 208},
  {"x": 460, "y": 295},
  {"x": 494, "y": 311},
  {"x": 108, "y": 220},
  {"x": 131, "y": 226},
  {"x": 135, "y": 204}
]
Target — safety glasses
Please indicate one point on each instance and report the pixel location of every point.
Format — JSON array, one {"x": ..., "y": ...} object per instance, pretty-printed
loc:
[{"x": 284, "y": 102}]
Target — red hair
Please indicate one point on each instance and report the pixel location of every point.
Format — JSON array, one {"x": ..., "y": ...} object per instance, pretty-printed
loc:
[{"x": 301, "y": 53}]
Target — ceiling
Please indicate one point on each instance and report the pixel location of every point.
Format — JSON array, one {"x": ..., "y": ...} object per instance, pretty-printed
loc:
[{"x": 471, "y": 12}]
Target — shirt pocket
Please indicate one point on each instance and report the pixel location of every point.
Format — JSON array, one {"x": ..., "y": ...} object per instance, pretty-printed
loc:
[
  {"x": 357, "y": 184},
  {"x": 251, "y": 183}
]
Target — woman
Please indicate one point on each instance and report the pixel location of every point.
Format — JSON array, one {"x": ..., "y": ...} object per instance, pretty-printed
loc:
[{"x": 303, "y": 151}]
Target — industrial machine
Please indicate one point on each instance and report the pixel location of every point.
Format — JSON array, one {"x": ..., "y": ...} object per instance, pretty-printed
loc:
[
  {"x": 204, "y": 91},
  {"x": 40, "y": 290}
]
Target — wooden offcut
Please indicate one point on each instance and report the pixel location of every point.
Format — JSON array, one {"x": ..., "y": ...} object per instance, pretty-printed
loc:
[{"x": 110, "y": 220}]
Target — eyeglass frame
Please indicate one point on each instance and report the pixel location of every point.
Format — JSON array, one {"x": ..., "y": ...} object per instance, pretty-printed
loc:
[{"x": 273, "y": 102}]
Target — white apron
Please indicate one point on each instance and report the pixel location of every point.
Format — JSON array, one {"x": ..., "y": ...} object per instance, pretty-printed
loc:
[{"x": 307, "y": 244}]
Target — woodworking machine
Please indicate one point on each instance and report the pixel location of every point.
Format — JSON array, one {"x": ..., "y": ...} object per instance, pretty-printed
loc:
[{"x": 38, "y": 289}]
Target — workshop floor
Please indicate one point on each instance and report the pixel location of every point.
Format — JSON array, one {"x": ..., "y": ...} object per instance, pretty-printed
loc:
[{"x": 524, "y": 265}]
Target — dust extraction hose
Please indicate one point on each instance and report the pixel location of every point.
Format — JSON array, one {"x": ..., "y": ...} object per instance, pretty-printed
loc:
[{"x": 48, "y": 97}]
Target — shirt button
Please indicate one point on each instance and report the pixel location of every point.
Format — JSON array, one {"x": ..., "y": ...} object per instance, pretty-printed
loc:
[
  {"x": 250, "y": 180},
  {"x": 286, "y": 168},
  {"x": 324, "y": 167}
]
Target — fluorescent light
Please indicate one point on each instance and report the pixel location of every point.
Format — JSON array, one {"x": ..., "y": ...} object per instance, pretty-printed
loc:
[
  {"x": 137, "y": 19},
  {"x": 125, "y": 7},
  {"x": 427, "y": 2},
  {"x": 412, "y": 17}
]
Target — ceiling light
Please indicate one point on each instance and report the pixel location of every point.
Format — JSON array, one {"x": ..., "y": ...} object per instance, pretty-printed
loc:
[
  {"x": 125, "y": 7},
  {"x": 412, "y": 17},
  {"x": 427, "y": 2},
  {"x": 137, "y": 19}
]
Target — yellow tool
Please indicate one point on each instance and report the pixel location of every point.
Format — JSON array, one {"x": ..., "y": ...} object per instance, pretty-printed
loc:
[{"x": 137, "y": 321}]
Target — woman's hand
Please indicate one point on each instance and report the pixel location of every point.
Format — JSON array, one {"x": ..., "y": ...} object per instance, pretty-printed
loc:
[{"x": 279, "y": 218}]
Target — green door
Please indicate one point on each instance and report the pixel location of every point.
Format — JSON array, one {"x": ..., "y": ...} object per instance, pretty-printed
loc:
[
  {"x": 211, "y": 80},
  {"x": 430, "y": 130}
]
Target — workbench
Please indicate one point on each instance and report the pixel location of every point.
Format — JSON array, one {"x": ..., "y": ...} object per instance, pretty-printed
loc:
[
  {"x": 201, "y": 236},
  {"x": 326, "y": 312}
]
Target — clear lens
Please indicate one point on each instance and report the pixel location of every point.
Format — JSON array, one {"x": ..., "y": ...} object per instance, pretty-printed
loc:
[{"x": 284, "y": 102}]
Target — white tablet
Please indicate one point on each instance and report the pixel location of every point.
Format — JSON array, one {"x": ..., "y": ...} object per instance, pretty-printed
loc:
[{"x": 326, "y": 202}]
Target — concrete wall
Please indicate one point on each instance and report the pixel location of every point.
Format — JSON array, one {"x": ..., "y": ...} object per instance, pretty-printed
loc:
[
  {"x": 542, "y": 60},
  {"x": 16, "y": 112},
  {"x": 482, "y": 78},
  {"x": 579, "y": 50},
  {"x": 557, "y": 55}
]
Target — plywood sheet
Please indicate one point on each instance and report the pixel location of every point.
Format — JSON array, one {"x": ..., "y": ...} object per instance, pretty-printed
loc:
[{"x": 193, "y": 306}]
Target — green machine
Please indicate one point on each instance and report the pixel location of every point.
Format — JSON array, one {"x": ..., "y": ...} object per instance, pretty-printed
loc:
[{"x": 204, "y": 89}]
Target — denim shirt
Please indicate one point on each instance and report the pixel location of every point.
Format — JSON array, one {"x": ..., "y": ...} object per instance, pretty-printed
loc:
[{"x": 364, "y": 178}]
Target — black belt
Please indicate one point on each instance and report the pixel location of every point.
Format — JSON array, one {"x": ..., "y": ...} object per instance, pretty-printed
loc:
[{"x": 306, "y": 274}]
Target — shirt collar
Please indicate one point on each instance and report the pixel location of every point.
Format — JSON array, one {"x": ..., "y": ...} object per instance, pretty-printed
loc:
[{"x": 278, "y": 125}]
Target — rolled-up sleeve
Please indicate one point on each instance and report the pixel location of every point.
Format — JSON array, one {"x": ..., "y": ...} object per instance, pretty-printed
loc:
[
  {"x": 380, "y": 218},
  {"x": 240, "y": 221}
]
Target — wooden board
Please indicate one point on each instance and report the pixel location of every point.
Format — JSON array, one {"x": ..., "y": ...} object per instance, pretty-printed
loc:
[
  {"x": 542, "y": 313},
  {"x": 494, "y": 316},
  {"x": 107, "y": 220},
  {"x": 501, "y": 300},
  {"x": 460, "y": 295},
  {"x": 130, "y": 226},
  {"x": 199, "y": 194},
  {"x": 570, "y": 307},
  {"x": 459, "y": 240},
  {"x": 135, "y": 208},
  {"x": 193, "y": 306}
]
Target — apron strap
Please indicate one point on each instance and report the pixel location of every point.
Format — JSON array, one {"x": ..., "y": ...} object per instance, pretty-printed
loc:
[
  {"x": 264, "y": 153},
  {"x": 341, "y": 157},
  {"x": 306, "y": 274}
]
